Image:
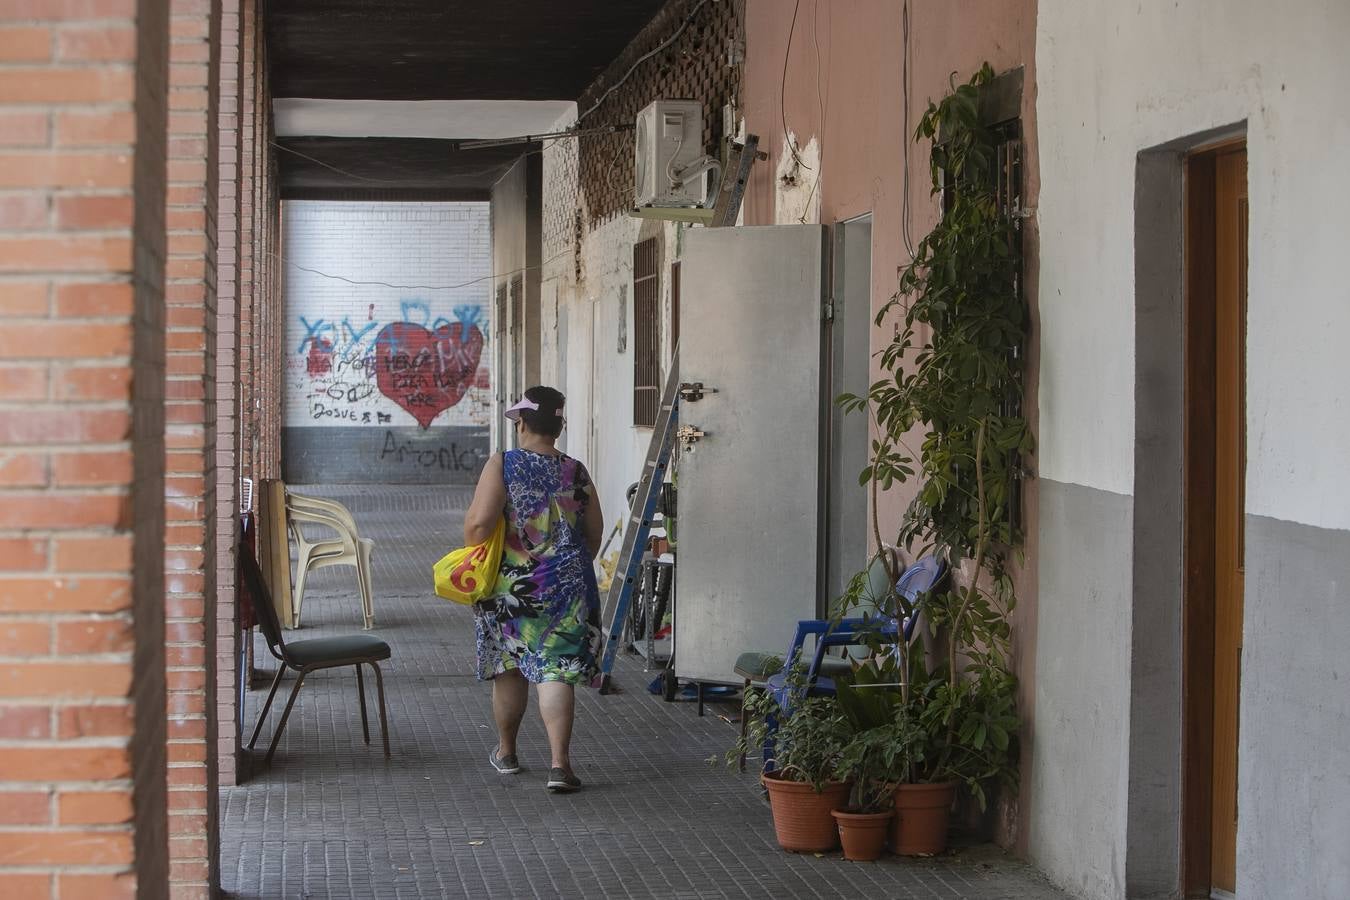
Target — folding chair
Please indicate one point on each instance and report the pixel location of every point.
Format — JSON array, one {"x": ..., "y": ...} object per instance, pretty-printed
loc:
[{"x": 308, "y": 656}]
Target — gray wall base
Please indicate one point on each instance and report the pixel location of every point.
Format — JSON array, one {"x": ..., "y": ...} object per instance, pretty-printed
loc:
[
  {"x": 1079, "y": 737},
  {"x": 1294, "y": 743},
  {"x": 452, "y": 455}
]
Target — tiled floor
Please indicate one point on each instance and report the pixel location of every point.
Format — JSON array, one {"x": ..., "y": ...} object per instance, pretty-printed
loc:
[{"x": 332, "y": 818}]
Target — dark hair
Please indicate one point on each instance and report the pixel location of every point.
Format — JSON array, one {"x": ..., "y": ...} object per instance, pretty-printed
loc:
[{"x": 547, "y": 420}]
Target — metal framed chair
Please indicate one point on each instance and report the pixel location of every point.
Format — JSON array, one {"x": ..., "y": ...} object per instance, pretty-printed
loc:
[{"x": 308, "y": 656}]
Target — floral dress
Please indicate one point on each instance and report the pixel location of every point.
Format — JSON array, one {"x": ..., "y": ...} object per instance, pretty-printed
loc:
[{"x": 543, "y": 617}]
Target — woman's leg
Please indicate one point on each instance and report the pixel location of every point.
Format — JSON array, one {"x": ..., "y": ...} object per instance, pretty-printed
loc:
[
  {"x": 557, "y": 707},
  {"x": 510, "y": 696}
]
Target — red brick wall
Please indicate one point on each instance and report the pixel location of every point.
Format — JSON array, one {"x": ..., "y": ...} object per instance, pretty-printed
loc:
[
  {"x": 261, "y": 325},
  {"x": 83, "y": 88},
  {"x": 190, "y": 414},
  {"x": 248, "y": 352},
  {"x": 248, "y": 158},
  {"x": 266, "y": 351},
  {"x": 227, "y": 387}
]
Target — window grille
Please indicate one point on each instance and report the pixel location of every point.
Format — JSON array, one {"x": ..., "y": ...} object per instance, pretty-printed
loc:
[{"x": 646, "y": 333}]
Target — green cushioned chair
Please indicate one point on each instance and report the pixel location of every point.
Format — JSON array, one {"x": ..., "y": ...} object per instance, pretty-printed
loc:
[{"x": 758, "y": 665}]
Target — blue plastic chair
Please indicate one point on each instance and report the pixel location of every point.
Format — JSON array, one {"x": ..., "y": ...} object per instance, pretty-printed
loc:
[{"x": 922, "y": 577}]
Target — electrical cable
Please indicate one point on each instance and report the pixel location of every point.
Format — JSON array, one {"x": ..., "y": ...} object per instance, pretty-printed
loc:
[
  {"x": 684, "y": 25},
  {"x": 822, "y": 104},
  {"x": 475, "y": 173},
  {"x": 333, "y": 168},
  {"x": 906, "y": 211},
  {"x": 643, "y": 58},
  {"x": 782, "y": 88},
  {"x": 419, "y": 287}
]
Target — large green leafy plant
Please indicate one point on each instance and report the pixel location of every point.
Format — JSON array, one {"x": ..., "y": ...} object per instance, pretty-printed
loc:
[{"x": 954, "y": 382}]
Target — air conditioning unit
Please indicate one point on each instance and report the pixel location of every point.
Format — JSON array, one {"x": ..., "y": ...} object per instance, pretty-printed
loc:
[{"x": 670, "y": 166}]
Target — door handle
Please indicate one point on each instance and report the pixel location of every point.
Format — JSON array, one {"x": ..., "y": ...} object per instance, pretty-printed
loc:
[{"x": 692, "y": 392}]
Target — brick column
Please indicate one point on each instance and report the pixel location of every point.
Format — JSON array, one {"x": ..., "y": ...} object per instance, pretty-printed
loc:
[
  {"x": 248, "y": 23},
  {"x": 227, "y": 395},
  {"x": 82, "y": 233},
  {"x": 267, "y": 264},
  {"x": 190, "y": 440}
]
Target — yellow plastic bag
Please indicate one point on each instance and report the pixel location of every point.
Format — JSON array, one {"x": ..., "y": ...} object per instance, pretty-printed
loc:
[{"x": 468, "y": 574}]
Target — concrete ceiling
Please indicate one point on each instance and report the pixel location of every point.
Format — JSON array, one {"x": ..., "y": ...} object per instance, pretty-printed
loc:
[
  {"x": 447, "y": 50},
  {"x": 428, "y": 50}
]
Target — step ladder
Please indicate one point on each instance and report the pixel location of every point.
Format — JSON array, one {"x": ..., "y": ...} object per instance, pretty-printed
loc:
[{"x": 639, "y": 525}]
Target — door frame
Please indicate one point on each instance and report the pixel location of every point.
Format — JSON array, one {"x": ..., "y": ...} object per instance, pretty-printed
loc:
[
  {"x": 833, "y": 338},
  {"x": 1155, "y": 814},
  {"x": 1199, "y": 596}
]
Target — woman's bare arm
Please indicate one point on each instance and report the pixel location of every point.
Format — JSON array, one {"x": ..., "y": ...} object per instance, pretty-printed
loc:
[
  {"x": 594, "y": 523},
  {"x": 489, "y": 500}
]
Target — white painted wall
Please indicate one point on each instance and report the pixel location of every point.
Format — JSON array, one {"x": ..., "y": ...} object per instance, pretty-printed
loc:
[
  {"x": 1115, "y": 79},
  {"x": 333, "y": 327}
]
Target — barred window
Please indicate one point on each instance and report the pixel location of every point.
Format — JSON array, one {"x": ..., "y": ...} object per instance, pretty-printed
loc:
[{"x": 646, "y": 333}]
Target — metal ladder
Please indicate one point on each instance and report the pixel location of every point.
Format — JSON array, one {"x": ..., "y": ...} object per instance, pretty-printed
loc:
[{"x": 639, "y": 525}]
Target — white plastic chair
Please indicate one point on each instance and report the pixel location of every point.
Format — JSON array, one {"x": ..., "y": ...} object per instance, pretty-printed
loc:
[{"x": 347, "y": 549}]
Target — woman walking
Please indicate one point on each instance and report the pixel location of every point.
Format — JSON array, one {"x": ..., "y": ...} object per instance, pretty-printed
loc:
[{"x": 541, "y": 625}]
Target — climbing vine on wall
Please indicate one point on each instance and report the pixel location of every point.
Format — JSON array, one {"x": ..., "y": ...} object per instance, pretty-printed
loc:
[
  {"x": 947, "y": 415},
  {"x": 955, "y": 368}
]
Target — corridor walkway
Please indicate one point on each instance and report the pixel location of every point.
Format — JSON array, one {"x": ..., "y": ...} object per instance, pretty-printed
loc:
[{"x": 332, "y": 819}]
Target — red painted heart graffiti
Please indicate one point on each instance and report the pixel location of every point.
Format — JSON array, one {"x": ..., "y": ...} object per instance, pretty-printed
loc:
[{"x": 427, "y": 372}]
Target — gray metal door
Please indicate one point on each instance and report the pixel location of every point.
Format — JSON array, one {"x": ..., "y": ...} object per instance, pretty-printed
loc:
[{"x": 750, "y": 328}]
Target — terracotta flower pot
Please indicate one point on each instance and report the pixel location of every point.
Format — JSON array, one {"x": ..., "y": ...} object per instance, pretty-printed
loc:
[
  {"x": 921, "y": 814},
  {"x": 863, "y": 834},
  {"x": 801, "y": 817}
]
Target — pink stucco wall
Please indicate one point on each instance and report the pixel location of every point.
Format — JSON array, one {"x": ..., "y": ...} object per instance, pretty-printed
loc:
[{"x": 845, "y": 61}]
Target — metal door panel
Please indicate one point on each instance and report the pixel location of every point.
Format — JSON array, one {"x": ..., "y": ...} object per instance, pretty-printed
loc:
[{"x": 750, "y": 327}]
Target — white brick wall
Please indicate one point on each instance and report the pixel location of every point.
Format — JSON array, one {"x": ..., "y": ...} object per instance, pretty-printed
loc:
[{"x": 413, "y": 351}]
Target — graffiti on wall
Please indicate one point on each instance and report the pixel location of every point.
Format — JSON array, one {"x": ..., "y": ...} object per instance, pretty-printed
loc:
[{"x": 364, "y": 372}]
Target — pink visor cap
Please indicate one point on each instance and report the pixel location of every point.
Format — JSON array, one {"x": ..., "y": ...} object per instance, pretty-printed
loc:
[{"x": 526, "y": 403}]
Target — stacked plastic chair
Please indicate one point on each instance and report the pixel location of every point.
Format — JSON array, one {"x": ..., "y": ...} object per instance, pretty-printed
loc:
[{"x": 345, "y": 548}]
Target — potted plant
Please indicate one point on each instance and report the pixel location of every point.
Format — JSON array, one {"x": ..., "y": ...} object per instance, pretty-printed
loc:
[
  {"x": 865, "y": 822},
  {"x": 875, "y": 758},
  {"x": 898, "y": 754},
  {"x": 953, "y": 373},
  {"x": 803, "y": 784}
]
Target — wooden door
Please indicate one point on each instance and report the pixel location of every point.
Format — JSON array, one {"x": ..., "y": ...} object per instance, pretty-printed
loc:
[
  {"x": 1230, "y": 314},
  {"x": 1215, "y": 341}
]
